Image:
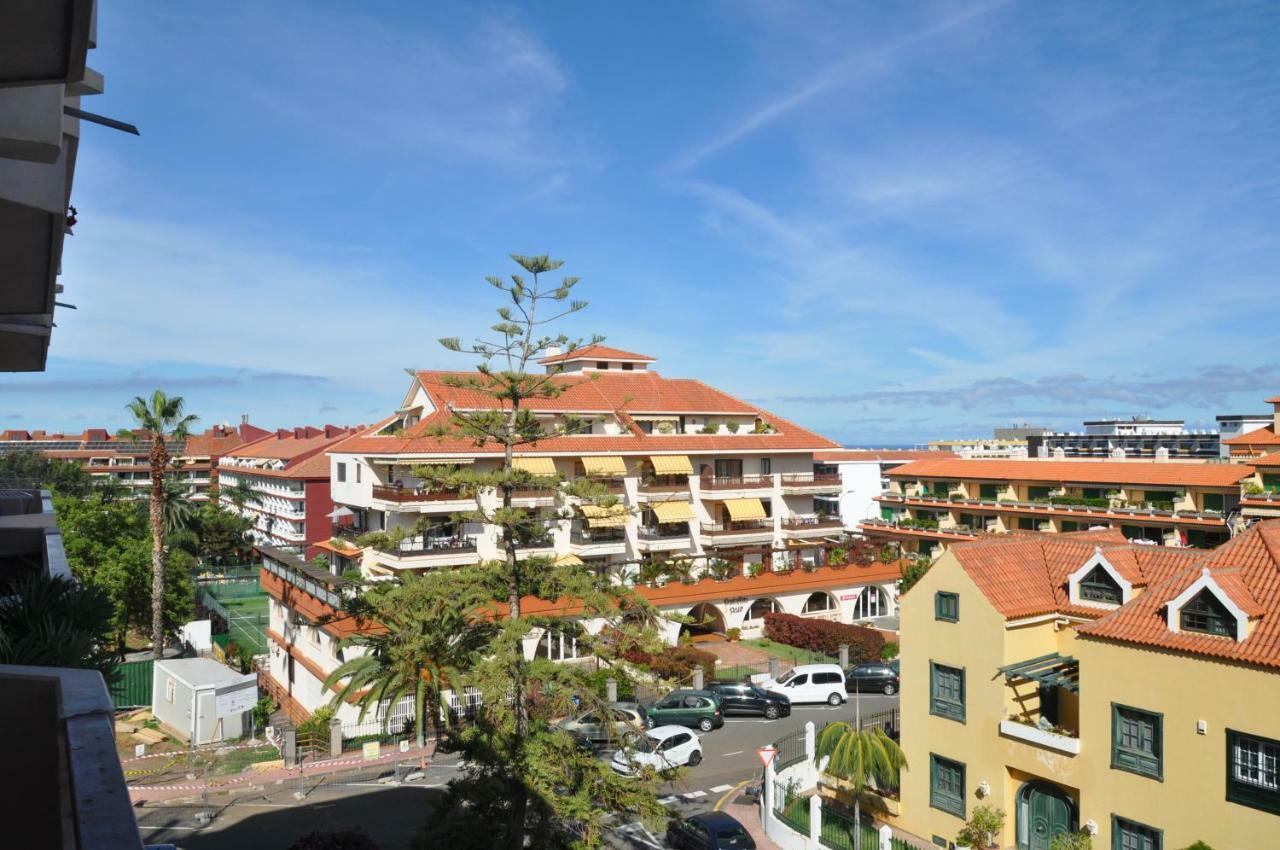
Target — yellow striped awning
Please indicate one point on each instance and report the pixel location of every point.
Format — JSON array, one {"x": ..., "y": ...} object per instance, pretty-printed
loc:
[
  {"x": 740, "y": 509},
  {"x": 673, "y": 511},
  {"x": 601, "y": 517},
  {"x": 605, "y": 466},
  {"x": 568, "y": 561},
  {"x": 671, "y": 465},
  {"x": 534, "y": 465}
]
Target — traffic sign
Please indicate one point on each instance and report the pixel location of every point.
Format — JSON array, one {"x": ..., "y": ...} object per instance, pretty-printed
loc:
[{"x": 766, "y": 754}]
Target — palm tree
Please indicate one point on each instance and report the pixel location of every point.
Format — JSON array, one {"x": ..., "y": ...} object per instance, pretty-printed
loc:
[
  {"x": 864, "y": 758},
  {"x": 51, "y": 621},
  {"x": 179, "y": 510},
  {"x": 163, "y": 418},
  {"x": 426, "y": 639},
  {"x": 239, "y": 494}
]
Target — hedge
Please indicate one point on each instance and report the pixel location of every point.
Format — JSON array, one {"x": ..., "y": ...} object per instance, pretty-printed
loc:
[
  {"x": 824, "y": 636},
  {"x": 674, "y": 662}
]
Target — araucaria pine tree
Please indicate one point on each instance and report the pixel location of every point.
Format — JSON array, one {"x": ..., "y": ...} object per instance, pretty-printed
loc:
[{"x": 529, "y": 784}]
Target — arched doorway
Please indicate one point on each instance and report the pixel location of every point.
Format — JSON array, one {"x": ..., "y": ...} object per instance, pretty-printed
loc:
[
  {"x": 763, "y": 605},
  {"x": 1044, "y": 811},
  {"x": 704, "y": 619}
]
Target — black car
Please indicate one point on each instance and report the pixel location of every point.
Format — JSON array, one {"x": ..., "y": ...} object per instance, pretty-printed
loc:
[
  {"x": 875, "y": 677},
  {"x": 709, "y": 831},
  {"x": 740, "y": 698}
]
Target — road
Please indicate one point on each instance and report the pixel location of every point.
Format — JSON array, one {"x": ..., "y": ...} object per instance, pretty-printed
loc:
[{"x": 391, "y": 814}]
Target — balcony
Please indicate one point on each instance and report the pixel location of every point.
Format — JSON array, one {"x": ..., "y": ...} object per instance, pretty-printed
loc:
[
  {"x": 612, "y": 486},
  {"x": 736, "y": 482},
  {"x": 1043, "y": 702},
  {"x": 739, "y": 531},
  {"x": 1046, "y": 738},
  {"x": 417, "y": 495},
  {"x": 347, "y": 532},
  {"x": 428, "y": 550},
  {"x": 913, "y": 529},
  {"x": 1069, "y": 507},
  {"x": 664, "y": 484},
  {"x": 533, "y": 497},
  {"x": 597, "y": 541},
  {"x": 811, "y": 525},
  {"x": 664, "y": 537},
  {"x": 811, "y": 482}
]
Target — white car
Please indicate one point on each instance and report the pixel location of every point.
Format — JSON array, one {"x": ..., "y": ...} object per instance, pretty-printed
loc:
[
  {"x": 807, "y": 683},
  {"x": 661, "y": 748}
]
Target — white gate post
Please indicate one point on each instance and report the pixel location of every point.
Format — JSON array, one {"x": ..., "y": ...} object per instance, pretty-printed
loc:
[
  {"x": 815, "y": 820},
  {"x": 886, "y": 838}
]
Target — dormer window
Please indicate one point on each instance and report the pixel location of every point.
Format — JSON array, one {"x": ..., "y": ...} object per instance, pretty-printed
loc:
[
  {"x": 1206, "y": 614},
  {"x": 1099, "y": 586}
]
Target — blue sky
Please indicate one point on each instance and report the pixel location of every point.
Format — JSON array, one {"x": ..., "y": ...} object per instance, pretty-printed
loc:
[{"x": 890, "y": 222}]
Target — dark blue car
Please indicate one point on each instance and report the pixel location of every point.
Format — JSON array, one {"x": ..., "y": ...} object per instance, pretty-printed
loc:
[{"x": 709, "y": 831}]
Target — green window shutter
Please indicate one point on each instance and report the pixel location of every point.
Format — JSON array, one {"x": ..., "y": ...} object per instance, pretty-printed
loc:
[
  {"x": 1271, "y": 482},
  {"x": 1137, "y": 741},
  {"x": 946, "y": 691},
  {"x": 887, "y": 514},
  {"x": 988, "y": 492},
  {"x": 946, "y": 606},
  {"x": 1131, "y": 835},
  {"x": 946, "y": 785}
]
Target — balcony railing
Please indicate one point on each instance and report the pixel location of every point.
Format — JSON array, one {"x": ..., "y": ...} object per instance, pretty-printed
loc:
[
  {"x": 348, "y": 532},
  {"x": 533, "y": 493},
  {"x": 593, "y": 536},
  {"x": 543, "y": 542},
  {"x": 810, "y": 479},
  {"x": 809, "y": 523},
  {"x": 1052, "y": 738},
  {"x": 432, "y": 545},
  {"x": 736, "y": 482},
  {"x": 1060, "y": 504},
  {"x": 743, "y": 526},
  {"x": 609, "y": 485},
  {"x": 670, "y": 531},
  {"x": 664, "y": 483},
  {"x": 414, "y": 494}
]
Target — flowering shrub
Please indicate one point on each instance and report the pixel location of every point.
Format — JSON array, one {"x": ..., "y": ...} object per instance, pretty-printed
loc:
[{"x": 824, "y": 636}]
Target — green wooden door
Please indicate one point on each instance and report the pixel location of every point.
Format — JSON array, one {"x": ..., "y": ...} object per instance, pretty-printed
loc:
[{"x": 1049, "y": 814}]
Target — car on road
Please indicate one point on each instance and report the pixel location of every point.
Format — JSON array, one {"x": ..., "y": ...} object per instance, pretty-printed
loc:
[
  {"x": 745, "y": 698},
  {"x": 807, "y": 683},
  {"x": 686, "y": 707},
  {"x": 662, "y": 748},
  {"x": 874, "y": 677},
  {"x": 592, "y": 728},
  {"x": 709, "y": 831}
]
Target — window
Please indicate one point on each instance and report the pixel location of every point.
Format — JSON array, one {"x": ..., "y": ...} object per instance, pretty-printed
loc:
[
  {"x": 827, "y": 678},
  {"x": 728, "y": 468},
  {"x": 1070, "y": 525},
  {"x": 946, "y": 785},
  {"x": 1160, "y": 496},
  {"x": 870, "y": 603},
  {"x": 802, "y": 679},
  {"x": 819, "y": 601},
  {"x": 342, "y": 472},
  {"x": 1034, "y": 493},
  {"x": 1206, "y": 614},
  {"x": 1100, "y": 586},
  {"x": 761, "y": 607},
  {"x": 946, "y": 606},
  {"x": 1137, "y": 741},
  {"x": 628, "y": 367},
  {"x": 1253, "y": 771},
  {"x": 1212, "y": 502},
  {"x": 988, "y": 492},
  {"x": 601, "y": 364},
  {"x": 358, "y": 473},
  {"x": 1093, "y": 493},
  {"x": 766, "y": 466},
  {"x": 646, "y": 426},
  {"x": 1129, "y": 835},
  {"x": 1026, "y": 523},
  {"x": 946, "y": 689}
]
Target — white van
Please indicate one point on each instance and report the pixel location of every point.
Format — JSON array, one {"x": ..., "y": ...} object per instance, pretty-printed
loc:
[{"x": 807, "y": 683}]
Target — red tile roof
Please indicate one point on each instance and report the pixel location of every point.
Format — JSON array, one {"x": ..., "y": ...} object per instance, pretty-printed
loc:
[
  {"x": 302, "y": 450},
  {"x": 1275, "y": 399},
  {"x": 596, "y": 352},
  {"x": 880, "y": 454},
  {"x": 1272, "y": 459},
  {"x": 1264, "y": 436},
  {"x": 1141, "y": 473},
  {"x": 1247, "y": 568}
]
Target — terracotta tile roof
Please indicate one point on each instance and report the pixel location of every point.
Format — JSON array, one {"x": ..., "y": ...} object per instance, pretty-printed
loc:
[
  {"x": 1272, "y": 459},
  {"x": 1080, "y": 472},
  {"x": 302, "y": 450},
  {"x": 1026, "y": 575},
  {"x": 1264, "y": 436},
  {"x": 609, "y": 394},
  {"x": 1247, "y": 568},
  {"x": 1275, "y": 399},
  {"x": 596, "y": 352},
  {"x": 880, "y": 454}
]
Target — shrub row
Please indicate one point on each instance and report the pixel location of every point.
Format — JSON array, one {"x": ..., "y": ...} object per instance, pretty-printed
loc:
[
  {"x": 674, "y": 662},
  {"x": 824, "y": 636}
]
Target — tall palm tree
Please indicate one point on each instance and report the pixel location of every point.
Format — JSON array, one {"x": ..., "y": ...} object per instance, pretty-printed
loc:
[
  {"x": 179, "y": 510},
  {"x": 164, "y": 418},
  {"x": 427, "y": 638},
  {"x": 864, "y": 758}
]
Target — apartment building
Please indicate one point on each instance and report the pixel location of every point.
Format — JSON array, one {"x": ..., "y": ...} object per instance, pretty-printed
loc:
[
  {"x": 1079, "y": 681},
  {"x": 983, "y": 447},
  {"x": 863, "y": 477},
  {"x": 125, "y": 459},
  {"x": 1258, "y": 441},
  {"x": 1138, "y": 437},
  {"x": 931, "y": 504},
  {"x": 289, "y": 475}
]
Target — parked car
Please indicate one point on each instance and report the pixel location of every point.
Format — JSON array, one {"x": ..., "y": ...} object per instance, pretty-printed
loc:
[
  {"x": 661, "y": 748},
  {"x": 808, "y": 683},
  {"x": 709, "y": 831},
  {"x": 739, "y": 698},
  {"x": 686, "y": 707},
  {"x": 590, "y": 726},
  {"x": 874, "y": 677}
]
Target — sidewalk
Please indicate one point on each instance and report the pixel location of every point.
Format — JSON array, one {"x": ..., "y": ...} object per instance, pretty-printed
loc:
[{"x": 251, "y": 778}]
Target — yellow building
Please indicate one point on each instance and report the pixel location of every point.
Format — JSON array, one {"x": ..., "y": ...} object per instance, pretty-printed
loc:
[{"x": 1080, "y": 681}]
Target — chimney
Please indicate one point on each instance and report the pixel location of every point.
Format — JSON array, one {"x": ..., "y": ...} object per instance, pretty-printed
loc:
[{"x": 244, "y": 419}]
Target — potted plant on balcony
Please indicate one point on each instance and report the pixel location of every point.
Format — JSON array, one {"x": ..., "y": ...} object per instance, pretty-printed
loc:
[{"x": 982, "y": 828}]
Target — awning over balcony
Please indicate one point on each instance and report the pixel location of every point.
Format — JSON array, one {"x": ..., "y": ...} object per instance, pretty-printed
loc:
[
  {"x": 600, "y": 517},
  {"x": 671, "y": 465},
  {"x": 534, "y": 465},
  {"x": 741, "y": 509},
  {"x": 673, "y": 511},
  {"x": 1052, "y": 670},
  {"x": 568, "y": 561},
  {"x": 605, "y": 466}
]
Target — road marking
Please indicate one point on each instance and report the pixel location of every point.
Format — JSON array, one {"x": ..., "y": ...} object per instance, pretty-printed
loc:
[
  {"x": 719, "y": 789},
  {"x": 729, "y": 794},
  {"x": 693, "y": 795},
  {"x": 666, "y": 801},
  {"x": 734, "y": 753}
]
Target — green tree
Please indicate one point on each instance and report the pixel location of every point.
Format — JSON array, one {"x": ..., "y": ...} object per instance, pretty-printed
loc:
[
  {"x": 178, "y": 510},
  {"x": 1072, "y": 841},
  {"x": 867, "y": 759},
  {"x": 222, "y": 534},
  {"x": 32, "y": 467},
  {"x": 527, "y": 779},
  {"x": 50, "y": 621},
  {"x": 164, "y": 418},
  {"x": 239, "y": 494},
  {"x": 912, "y": 572},
  {"x": 427, "y": 629},
  {"x": 983, "y": 826}
]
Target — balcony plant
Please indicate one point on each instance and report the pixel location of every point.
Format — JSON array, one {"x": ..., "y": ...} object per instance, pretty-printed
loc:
[
  {"x": 762, "y": 427},
  {"x": 666, "y": 427},
  {"x": 731, "y": 427},
  {"x": 1072, "y": 841},
  {"x": 1252, "y": 488}
]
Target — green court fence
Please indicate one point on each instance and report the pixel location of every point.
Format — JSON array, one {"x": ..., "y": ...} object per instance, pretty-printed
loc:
[
  {"x": 244, "y": 607},
  {"x": 133, "y": 688}
]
